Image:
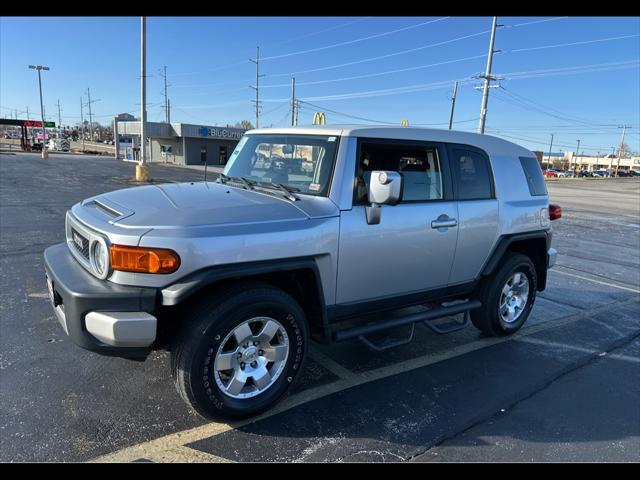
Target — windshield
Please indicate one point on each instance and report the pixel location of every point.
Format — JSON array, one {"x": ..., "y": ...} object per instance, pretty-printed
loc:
[{"x": 301, "y": 162}]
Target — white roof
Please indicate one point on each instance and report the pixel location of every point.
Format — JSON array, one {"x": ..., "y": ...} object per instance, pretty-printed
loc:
[{"x": 489, "y": 143}]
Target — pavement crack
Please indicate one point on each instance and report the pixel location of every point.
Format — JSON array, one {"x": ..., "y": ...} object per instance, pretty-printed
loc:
[{"x": 589, "y": 360}]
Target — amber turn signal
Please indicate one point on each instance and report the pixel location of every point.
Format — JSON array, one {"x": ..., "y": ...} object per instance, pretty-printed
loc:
[{"x": 143, "y": 259}]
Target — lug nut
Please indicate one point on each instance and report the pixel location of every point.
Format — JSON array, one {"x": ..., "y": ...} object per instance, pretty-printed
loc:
[
  {"x": 255, "y": 344},
  {"x": 242, "y": 365},
  {"x": 260, "y": 352},
  {"x": 254, "y": 364}
]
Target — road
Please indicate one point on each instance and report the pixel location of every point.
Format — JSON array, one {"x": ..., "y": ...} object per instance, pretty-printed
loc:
[{"x": 564, "y": 388}]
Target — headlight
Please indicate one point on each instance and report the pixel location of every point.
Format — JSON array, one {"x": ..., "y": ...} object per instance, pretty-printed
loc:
[{"x": 100, "y": 258}]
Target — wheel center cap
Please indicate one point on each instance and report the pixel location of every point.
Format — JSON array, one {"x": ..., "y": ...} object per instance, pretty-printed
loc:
[{"x": 250, "y": 354}]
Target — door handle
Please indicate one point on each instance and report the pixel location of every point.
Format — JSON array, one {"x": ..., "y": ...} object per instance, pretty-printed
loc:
[{"x": 444, "y": 222}]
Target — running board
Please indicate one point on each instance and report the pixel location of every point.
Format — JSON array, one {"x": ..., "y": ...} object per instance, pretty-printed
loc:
[
  {"x": 449, "y": 326},
  {"x": 431, "y": 314}
]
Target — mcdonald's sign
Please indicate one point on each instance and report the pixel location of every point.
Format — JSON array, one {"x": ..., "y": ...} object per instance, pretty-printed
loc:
[
  {"x": 319, "y": 118},
  {"x": 404, "y": 123}
]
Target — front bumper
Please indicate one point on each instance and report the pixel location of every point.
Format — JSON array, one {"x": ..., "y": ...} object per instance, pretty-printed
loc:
[{"x": 98, "y": 315}]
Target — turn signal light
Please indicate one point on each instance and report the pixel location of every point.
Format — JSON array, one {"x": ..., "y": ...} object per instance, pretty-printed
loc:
[
  {"x": 143, "y": 259},
  {"x": 555, "y": 211}
]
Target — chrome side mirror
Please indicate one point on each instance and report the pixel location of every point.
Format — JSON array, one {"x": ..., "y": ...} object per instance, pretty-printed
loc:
[{"x": 385, "y": 188}]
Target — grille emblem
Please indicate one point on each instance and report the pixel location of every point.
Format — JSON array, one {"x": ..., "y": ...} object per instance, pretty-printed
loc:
[{"x": 77, "y": 239}]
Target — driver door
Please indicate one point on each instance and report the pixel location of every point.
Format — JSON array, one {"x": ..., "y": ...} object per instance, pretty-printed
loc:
[{"x": 408, "y": 252}]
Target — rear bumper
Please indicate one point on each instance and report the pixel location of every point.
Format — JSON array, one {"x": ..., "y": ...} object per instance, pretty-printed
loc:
[
  {"x": 552, "y": 255},
  {"x": 96, "y": 314}
]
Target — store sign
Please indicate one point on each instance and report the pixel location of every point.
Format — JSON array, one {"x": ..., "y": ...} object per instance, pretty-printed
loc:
[
  {"x": 221, "y": 133},
  {"x": 33, "y": 123}
]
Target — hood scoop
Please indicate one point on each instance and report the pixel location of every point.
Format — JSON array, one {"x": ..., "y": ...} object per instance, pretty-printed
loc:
[{"x": 108, "y": 208}]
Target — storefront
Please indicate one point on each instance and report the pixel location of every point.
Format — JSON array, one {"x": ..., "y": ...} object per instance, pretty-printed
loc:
[{"x": 178, "y": 143}]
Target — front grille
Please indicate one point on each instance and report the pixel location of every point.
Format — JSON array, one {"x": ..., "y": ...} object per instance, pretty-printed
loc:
[{"x": 80, "y": 243}]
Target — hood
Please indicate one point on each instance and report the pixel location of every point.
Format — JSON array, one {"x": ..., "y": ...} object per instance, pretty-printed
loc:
[{"x": 197, "y": 204}]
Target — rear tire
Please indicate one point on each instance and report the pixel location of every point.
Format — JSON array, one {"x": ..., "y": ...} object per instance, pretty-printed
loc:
[
  {"x": 239, "y": 351},
  {"x": 507, "y": 296}
]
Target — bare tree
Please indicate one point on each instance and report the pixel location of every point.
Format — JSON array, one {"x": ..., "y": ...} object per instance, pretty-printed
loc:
[{"x": 244, "y": 124}]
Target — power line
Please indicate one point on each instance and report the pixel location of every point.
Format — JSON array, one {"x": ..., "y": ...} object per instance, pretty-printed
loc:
[
  {"x": 542, "y": 47},
  {"x": 349, "y": 42},
  {"x": 335, "y": 27},
  {"x": 377, "y": 74},
  {"x": 380, "y": 57}
]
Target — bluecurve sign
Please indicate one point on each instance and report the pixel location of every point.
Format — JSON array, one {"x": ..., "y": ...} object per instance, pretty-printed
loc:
[{"x": 216, "y": 132}]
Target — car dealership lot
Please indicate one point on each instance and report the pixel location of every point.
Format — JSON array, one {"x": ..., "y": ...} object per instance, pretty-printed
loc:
[{"x": 564, "y": 388}]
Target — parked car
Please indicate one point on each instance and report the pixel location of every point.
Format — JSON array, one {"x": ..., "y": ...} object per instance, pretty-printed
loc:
[
  {"x": 235, "y": 277},
  {"x": 566, "y": 173},
  {"x": 36, "y": 147},
  {"x": 584, "y": 173},
  {"x": 549, "y": 173},
  {"x": 602, "y": 173}
]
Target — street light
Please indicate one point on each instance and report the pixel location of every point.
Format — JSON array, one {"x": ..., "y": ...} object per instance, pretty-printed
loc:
[{"x": 39, "y": 68}]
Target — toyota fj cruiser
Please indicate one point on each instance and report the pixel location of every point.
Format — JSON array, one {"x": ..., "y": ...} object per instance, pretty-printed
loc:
[{"x": 319, "y": 232}]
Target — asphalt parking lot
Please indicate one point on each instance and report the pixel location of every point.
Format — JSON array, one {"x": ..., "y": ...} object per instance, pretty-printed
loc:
[{"x": 565, "y": 388}]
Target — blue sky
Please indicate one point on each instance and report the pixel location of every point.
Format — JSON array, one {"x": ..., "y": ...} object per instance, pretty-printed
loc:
[{"x": 404, "y": 69}]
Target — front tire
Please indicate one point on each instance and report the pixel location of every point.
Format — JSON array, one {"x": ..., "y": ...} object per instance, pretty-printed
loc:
[
  {"x": 507, "y": 297},
  {"x": 240, "y": 351}
]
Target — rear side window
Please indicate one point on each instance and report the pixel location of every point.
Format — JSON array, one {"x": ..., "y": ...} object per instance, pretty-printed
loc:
[
  {"x": 473, "y": 177},
  {"x": 535, "y": 180}
]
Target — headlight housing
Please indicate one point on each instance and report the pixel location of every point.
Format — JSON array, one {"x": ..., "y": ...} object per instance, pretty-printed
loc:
[{"x": 100, "y": 258}]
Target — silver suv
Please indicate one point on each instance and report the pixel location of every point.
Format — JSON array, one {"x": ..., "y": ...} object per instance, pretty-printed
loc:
[{"x": 323, "y": 233}]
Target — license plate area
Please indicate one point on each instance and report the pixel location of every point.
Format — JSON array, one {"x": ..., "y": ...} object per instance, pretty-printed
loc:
[{"x": 53, "y": 295}]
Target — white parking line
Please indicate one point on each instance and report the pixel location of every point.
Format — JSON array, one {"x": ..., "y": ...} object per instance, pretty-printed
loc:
[
  {"x": 564, "y": 346},
  {"x": 613, "y": 285},
  {"x": 156, "y": 448}
]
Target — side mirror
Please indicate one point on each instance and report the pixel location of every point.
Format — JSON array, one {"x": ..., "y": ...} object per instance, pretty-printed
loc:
[{"x": 385, "y": 188}]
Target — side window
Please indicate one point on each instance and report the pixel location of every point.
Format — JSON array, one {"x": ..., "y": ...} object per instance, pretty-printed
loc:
[
  {"x": 472, "y": 174},
  {"x": 419, "y": 167},
  {"x": 533, "y": 172}
]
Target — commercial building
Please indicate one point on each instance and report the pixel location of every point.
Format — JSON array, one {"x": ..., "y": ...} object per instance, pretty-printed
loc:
[
  {"x": 178, "y": 143},
  {"x": 570, "y": 160}
]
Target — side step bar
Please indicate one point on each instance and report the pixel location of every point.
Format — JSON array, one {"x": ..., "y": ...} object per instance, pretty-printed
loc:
[{"x": 430, "y": 314}]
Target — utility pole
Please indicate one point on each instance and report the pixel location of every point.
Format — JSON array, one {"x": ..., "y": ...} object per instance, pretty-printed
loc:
[
  {"x": 575, "y": 162},
  {"x": 549, "y": 157},
  {"x": 39, "y": 68},
  {"x": 624, "y": 130},
  {"x": 90, "y": 117},
  {"x": 168, "y": 110},
  {"x": 293, "y": 101},
  {"x": 59, "y": 119},
  {"x": 166, "y": 98},
  {"x": 453, "y": 104},
  {"x": 82, "y": 122},
  {"x": 487, "y": 78},
  {"x": 297, "y": 110},
  {"x": 142, "y": 170},
  {"x": 28, "y": 113},
  {"x": 257, "y": 86}
]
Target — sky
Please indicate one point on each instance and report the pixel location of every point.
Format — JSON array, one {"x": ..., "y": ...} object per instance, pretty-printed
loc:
[{"x": 577, "y": 78}]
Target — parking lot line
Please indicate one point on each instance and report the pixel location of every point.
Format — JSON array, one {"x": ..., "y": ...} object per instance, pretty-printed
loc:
[
  {"x": 565, "y": 346},
  {"x": 182, "y": 454},
  {"x": 330, "y": 364},
  {"x": 613, "y": 285},
  {"x": 156, "y": 448}
]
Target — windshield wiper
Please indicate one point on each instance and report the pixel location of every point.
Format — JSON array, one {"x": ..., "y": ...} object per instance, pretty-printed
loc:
[
  {"x": 285, "y": 189},
  {"x": 243, "y": 181}
]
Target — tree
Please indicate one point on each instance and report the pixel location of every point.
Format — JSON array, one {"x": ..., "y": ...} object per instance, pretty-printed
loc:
[
  {"x": 625, "y": 150},
  {"x": 244, "y": 124}
]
